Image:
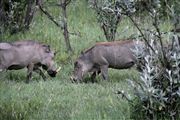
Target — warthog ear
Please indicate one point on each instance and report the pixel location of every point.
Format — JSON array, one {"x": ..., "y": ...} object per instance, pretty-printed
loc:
[
  {"x": 5, "y": 46},
  {"x": 82, "y": 52},
  {"x": 47, "y": 48},
  {"x": 55, "y": 53},
  {"x": 44, "y": 45}
]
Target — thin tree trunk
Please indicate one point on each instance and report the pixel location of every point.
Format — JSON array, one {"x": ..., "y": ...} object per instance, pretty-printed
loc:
[
  {"x": 2, "y": 18},
  {"x": 65, "y": 27},
  {"x": 29, "y": 13},
  {"x": 104, "y": 27},
  {"x": 2, "y": 15}
]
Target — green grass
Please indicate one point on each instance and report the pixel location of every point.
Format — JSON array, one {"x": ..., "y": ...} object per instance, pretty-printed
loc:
[{"x": 58, "y": 98}]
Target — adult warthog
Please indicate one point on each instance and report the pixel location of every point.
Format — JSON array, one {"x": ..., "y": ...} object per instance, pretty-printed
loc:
[
  {"x": 30, "y": 54},
  {"x": 104, "y": 55}
]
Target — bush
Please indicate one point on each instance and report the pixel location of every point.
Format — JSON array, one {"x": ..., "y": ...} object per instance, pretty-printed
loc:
[
  {"x": 158, "y": 91},
  {"x": 16, "y": 15}
]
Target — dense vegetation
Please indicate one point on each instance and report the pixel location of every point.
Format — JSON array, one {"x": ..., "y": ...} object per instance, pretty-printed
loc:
[{"x": 58, "y": 98}]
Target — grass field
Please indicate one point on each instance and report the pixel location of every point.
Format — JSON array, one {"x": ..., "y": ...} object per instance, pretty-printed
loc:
[{"x": 58, "y": 98}]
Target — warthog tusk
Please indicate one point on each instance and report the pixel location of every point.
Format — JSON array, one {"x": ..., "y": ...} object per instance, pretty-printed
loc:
[
  {"x": 58, "y": 69},
  {"x": 71, "y": 78}
]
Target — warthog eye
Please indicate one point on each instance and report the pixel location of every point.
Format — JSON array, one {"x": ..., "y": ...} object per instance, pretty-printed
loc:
[
  {"x": 77, "y": 65},
  {"x": 47, "y": 48}
]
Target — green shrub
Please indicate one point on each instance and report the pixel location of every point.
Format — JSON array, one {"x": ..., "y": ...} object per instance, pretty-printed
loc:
[{"x": 158, "y": 89}]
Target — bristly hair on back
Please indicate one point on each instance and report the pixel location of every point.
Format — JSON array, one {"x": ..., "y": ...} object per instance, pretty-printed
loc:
[
  {"x": 25, "y": 42},
  {"x": 120, "y": 42}
]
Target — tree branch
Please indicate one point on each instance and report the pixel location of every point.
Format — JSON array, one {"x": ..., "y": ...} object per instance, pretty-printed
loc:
[
  {"x": 142, "y": 34},
  {"x": 67, "y": 2},
  {"x": 136, "y": 25},
  {"x": 49, "y": 15}
]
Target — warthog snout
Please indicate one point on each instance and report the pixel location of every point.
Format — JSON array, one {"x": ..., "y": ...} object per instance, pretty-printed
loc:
[{"x": 53, "y": 73}]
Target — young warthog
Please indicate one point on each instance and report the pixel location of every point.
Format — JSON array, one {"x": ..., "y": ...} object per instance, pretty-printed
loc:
[
  {"x": 30, "y": 54},
  {"x": 104, "y": 55}
]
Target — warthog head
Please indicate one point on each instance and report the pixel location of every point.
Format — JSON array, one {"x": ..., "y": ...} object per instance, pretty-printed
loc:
[
  {"x": 81, "y": 67},
  {"x": 47, "y": 62}
]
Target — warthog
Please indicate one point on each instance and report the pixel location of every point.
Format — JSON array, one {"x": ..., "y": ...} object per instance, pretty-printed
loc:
[
  {"x": 30, "y": 54},
  {"x": 104, "y": 55}
]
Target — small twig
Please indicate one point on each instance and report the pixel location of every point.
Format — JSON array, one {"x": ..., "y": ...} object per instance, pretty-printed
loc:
[
  {"x": 164, "y": 58},
  {"x": 64, "y": 3},
  {"x": 152, "y": 32},
  {"x": 123, "y": 95},
  {"x": 54, "y": 4},
  {"x": 159, "y": 74},
  {"x": 75, "y": 33}
]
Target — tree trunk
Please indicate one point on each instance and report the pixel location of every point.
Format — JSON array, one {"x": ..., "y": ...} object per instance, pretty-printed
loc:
[
  {"x": 2, "y": 15},
  {"x": 2, "y": 18},
  {"x": 29, "y": 13},
  {"x": 65, "y": 27}
]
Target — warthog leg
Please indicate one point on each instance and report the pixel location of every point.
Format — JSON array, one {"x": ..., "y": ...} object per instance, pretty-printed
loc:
[
  {"x": 39, "y": 71},
  {"x": 93, "y": 75},
  {"x": 29, "y": 72},
  {"x": 104, "y": 72}
]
